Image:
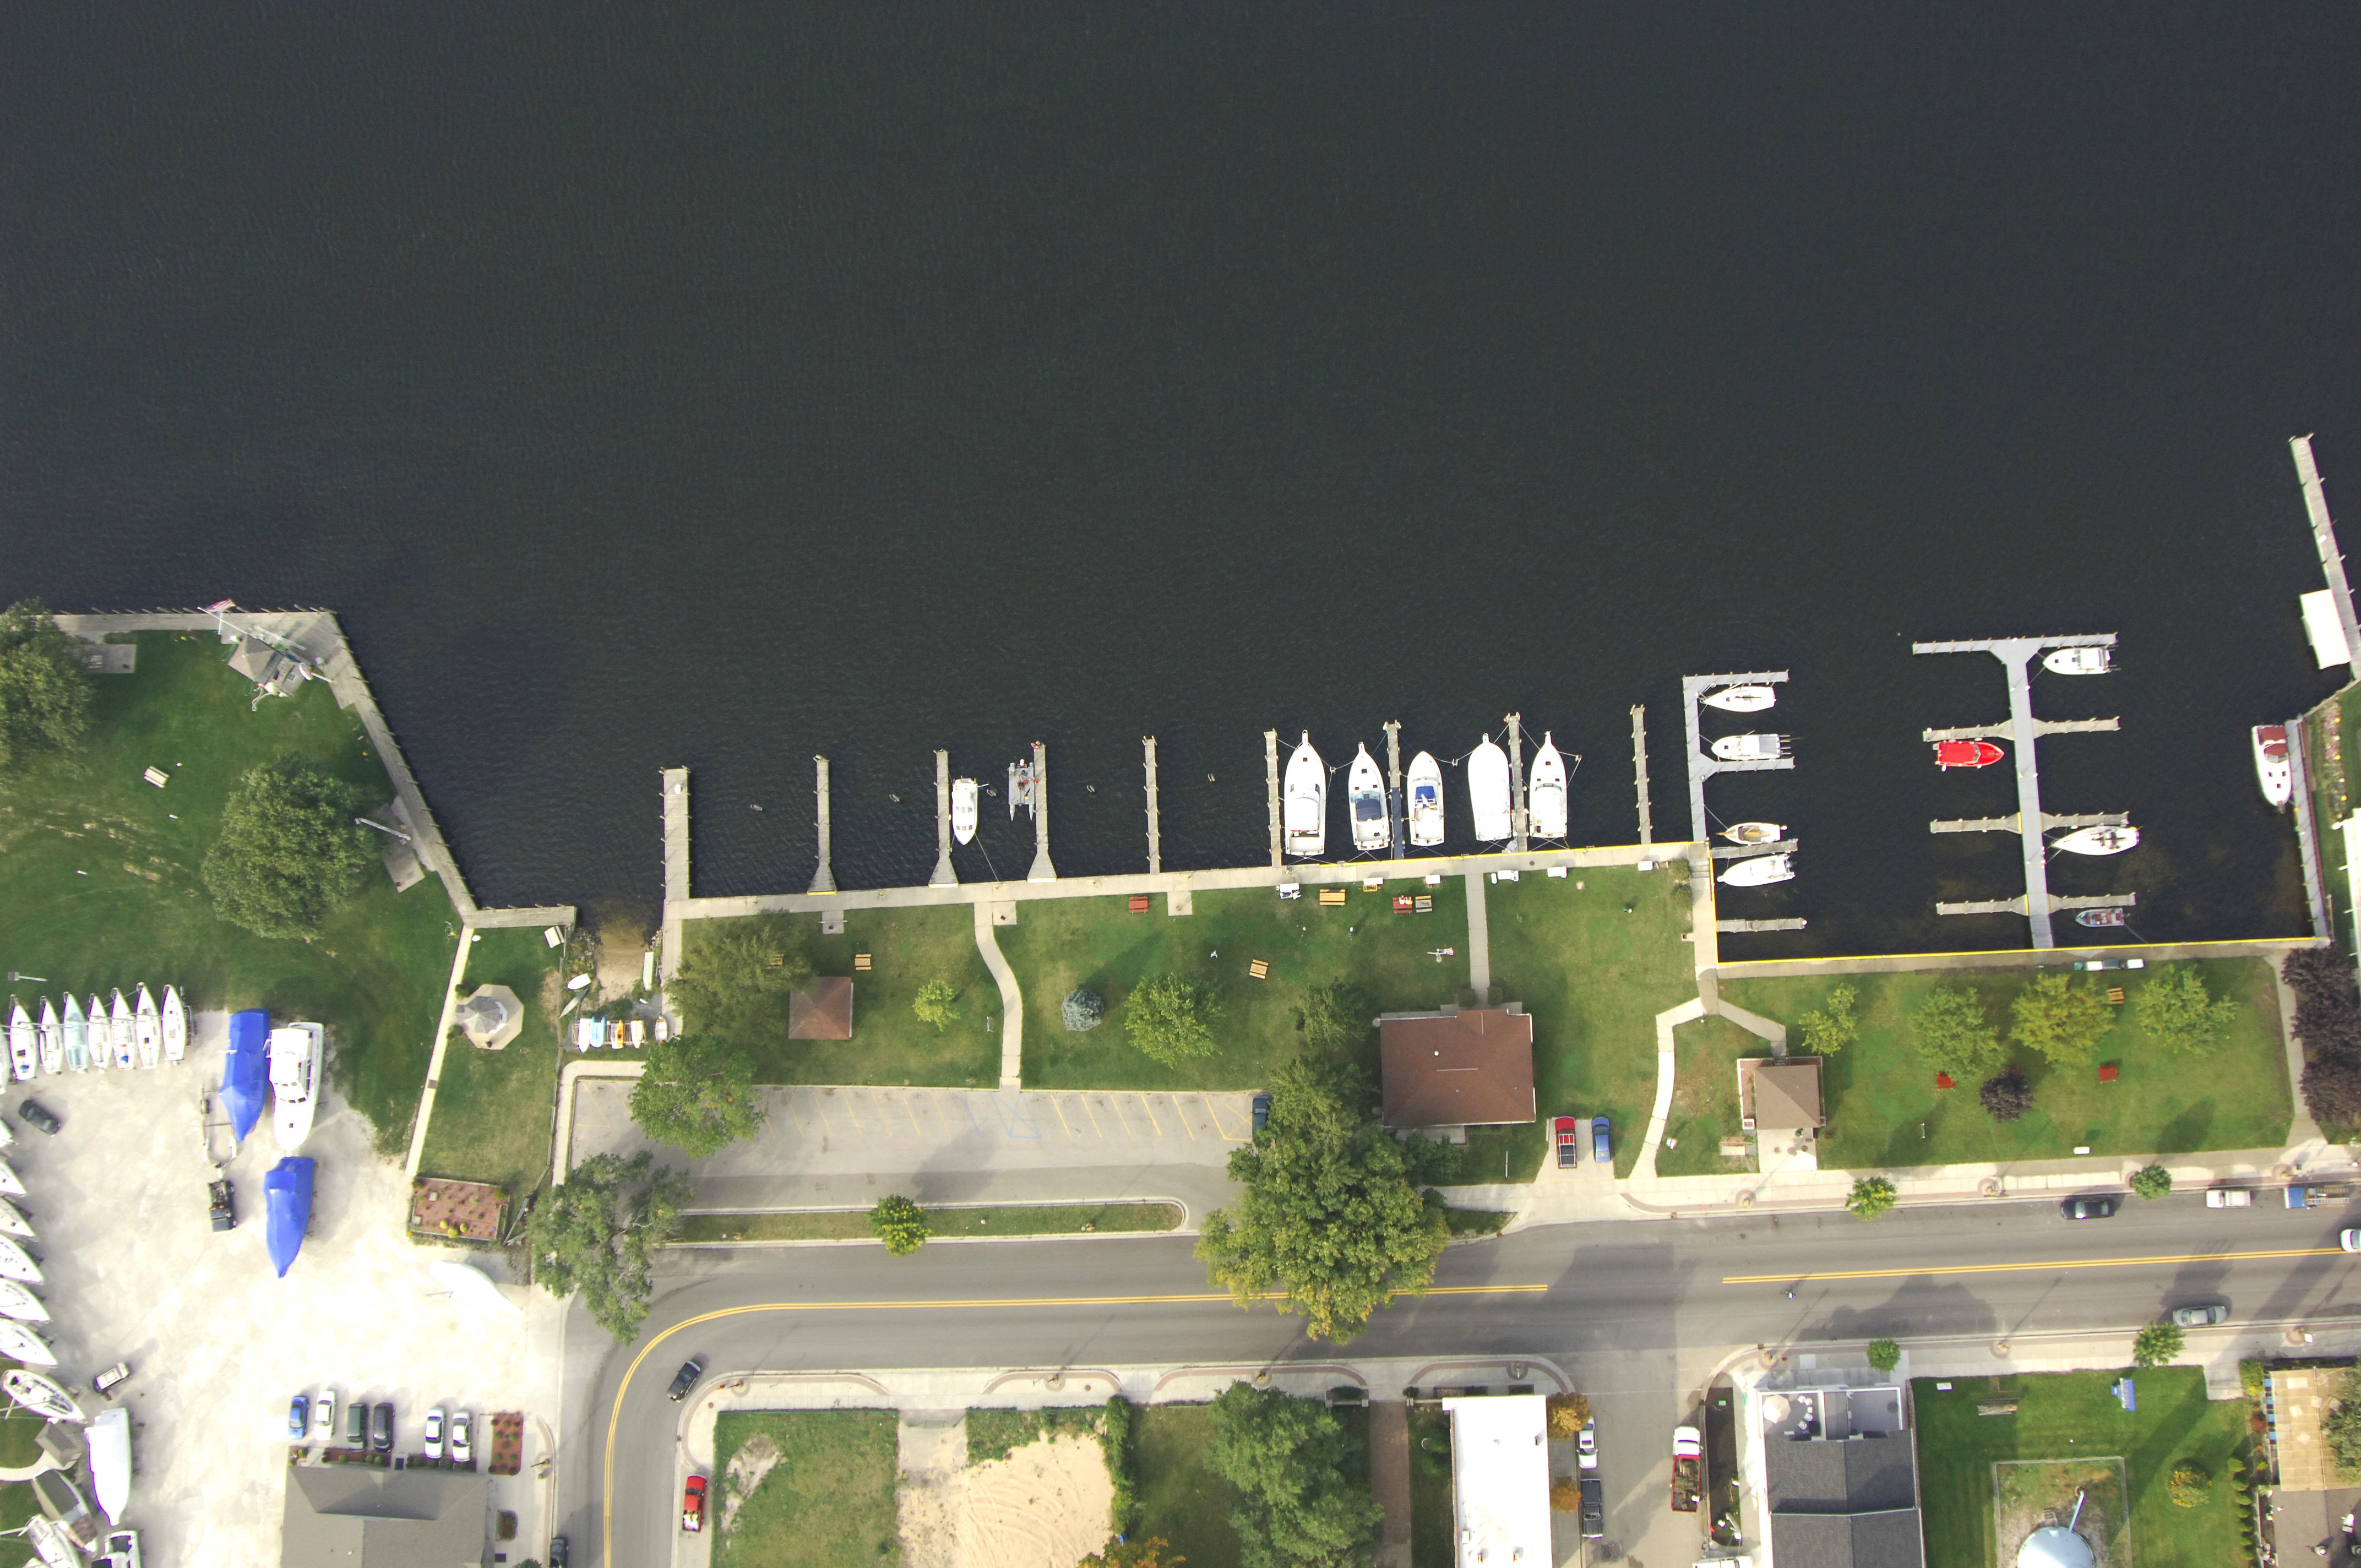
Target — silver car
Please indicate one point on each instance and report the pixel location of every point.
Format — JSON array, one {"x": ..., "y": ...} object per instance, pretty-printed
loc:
[{"x": 2200, "y": 1317}]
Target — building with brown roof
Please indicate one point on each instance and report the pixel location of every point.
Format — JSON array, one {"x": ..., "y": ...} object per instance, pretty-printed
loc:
[
  {"x": 821, "y": 1011},
  {"x": 1458, "y": 1068},
  {"x": 1780, "y": 1095}
]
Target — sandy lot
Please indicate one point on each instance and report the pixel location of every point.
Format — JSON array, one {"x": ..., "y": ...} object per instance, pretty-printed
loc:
[
  {"x": 1045, "y": 1505},
  {"x": 217, "y": 1344}
]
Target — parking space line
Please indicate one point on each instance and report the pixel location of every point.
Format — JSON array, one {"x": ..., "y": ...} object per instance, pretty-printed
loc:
[
  {"x": 827, "y": 1123},
  {"x": 912, "y": 1111},
  {"x": 1147, "y": 1106},
  {"x": 793, "y": 1115},
  {"x": 1214, "y": 1109},
  {"x": 1114, "y": 1103},
  {"x": 967, "y": 1103},
  {"x": 1093, "y": 1115},
  {"x": 1183, "y": 1111},
  {"x": 1060, "y": 1110},
  {"x": 853, "y": 1114}
]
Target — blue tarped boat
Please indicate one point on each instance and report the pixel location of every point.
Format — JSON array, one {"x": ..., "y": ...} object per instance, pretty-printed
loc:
[
  {"x": 287, "y": 1204},
  {"x": 246, "y": 1071}
]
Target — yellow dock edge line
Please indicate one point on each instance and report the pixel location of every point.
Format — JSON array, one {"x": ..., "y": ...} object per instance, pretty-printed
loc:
[{"x": 2030, "y": 1267}]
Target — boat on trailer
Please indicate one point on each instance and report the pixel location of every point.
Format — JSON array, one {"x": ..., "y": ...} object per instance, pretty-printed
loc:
[
  {"x": 77, "y": 1037},
  {"x": 296, "y": 1052},
  {"x": 2100, "y": 920},
  {"x": 123, "y": 1031},
  {"x": 17, "y": 1264},
  {"x": 40, "y": 1395},
  {"x": 50, "y": 1035},
  {"x": 963, "y": 809},
  {"x": 17, "y": 1302},
  {"x": 1755, "y": 832},
  {"x": 1740, "y": 700},
  {"x": 2273, "y": 770},
  {"x": 2097, "y": 841},
  {"x": 1967, "y": 754},
  {"x": 110, "y": 1461},
  {"x": 1365, "y": 803},
  {"x": 21, "y": 1344},
  {"x": 1424, "y": 783},
  {"x": 14, "y": 1221},
  {"x": 148, "y": 1030},
  {"x": 102, "y": 1036},
  {"x": 1488, "y": 792},
  {"x": 10, "y": 1183},
  {"x": 1750, "y": 748},
  {"x": 1303, "y": 803},
  {"x": 1761, "y": 871},
  {"x": 176, "y": 1025},
  {"x": 23, "y": 1056},
  {"x": 2079, "y": 661},
  {"x": 1545, "y": 792}
]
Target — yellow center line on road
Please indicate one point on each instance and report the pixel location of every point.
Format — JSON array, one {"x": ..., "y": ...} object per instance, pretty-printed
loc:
[{"x": 2030, "y": 1267}]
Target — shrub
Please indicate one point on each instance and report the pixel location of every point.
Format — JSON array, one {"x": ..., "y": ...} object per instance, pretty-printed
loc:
[
  {"x": 2063, "y": 1021},
  {"x": 2152, "y": 1181},
  {"x": 1832, "y": 1026},
  {"x": 1884, "y": 1354},
  {"x": 2342, "y": 1428},
  {"x": 1082, "y": 1010},
  {"x": 2192, "y": 1484},
  {"x": 936, "y": 1003},
  {"x": 1170, "y": 1019},
  {"x": 1565, "y": 1495},
  {"x": 1872, "y": 1196},
  {"x": 900, "y": 1223},
  {"x": 1952, "y": 1034},
  {"x": 2175, "y": 1011},
  {"x": 2158, "y": 1344},
  {"x": 1123, "y": 1467},
  {"x": 2006, "y": 1097},
  {"x": 2250, "y": 1378}
]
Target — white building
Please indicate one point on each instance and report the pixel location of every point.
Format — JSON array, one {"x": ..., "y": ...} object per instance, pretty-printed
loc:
[{"x": 1500, "y": 1480}]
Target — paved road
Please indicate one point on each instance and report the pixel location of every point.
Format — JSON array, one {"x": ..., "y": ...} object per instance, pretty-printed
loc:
[{"x": 1599, "y": 1299}]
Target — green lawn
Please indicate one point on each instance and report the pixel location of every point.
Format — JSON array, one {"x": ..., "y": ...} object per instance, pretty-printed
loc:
[
  {"x": 1705, "y": 1098},
  {"x": 1879, "y": 1092},
  {"x": 1059, "y": 945},
  {"x": 1594, "y": 978},
  {"x": 907, "y": 947},
  {"x": 2073, "y": 1416},
  {"x": 1432, "y": 1507},
  {"x": 852, "y": 1224},
  {"x": 1179, "y": 1499},
  {"x": 492, "y": 1109},
  {"x": 826, "y": 1503},
  {"x": 17, "y": 1504},
  {"x": 99, "y": 884}
]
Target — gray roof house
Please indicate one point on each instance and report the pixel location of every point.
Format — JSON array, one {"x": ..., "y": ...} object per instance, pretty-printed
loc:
[
  {"x": 1842, "y": 1482},
  {"x": 360, "y": 1517}
]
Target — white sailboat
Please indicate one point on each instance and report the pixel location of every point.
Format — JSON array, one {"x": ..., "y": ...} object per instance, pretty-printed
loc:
[
  {"x": 21, "y": 1344},
  {"x": 1755, "y": 832},
  {"x": 10, "y": 1183},
  {"x": 1749, "y": 748},
  {"x": 102, "y": 1038},
  {"x": 123, "y": 1031},
  {"x": 77, "y": 1034},
  {"x": 55, "y": 1548},
  {"x": 1488, "y": 791},
  {"x": 1425, "y": 785},
  {"x": 295, "y": 1054},
  {"x": 23, "y": 1059},
  {"x": 2097, "y": 841},
  {"x": 14, "y": 1222},
  {"x": 17, "y": 1302},
  {"x": 2079, "y": 661},
  {"x": 39, "y": 1395},
  {"x": 1304, "y": 805},
  {"x": 110, "y": 1461},
  {"x": 1365, "y": 801},
  {"x": 1760, "y": 871},
  {"x": 17, "y": 1264},
  {"x": 1546, "y": 794},
  {"x": 1740, "y": 700},
  {"x": 50, "y": 1037},
  {"x": 176, "y": 1025},
  {"x": 963, "y": 809},
  {"x": 148, "y": 1030}
]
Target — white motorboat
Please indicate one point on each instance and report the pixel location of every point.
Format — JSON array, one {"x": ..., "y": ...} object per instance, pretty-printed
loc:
[
  {"x": 17, "y": 1302},
  {"x": 2097, "y": 841},
  {"x": 39, "y": 1395},
  {"x": 1750, "y": 748},
  {"x": 10, "y": 1183},
  {"x": 963, "y": 809},
  {"x": 1755, "y": 832},
  {"x": 102, "y": 1037},
  {"x": 1762, "y": 871},
  {"x": 13, "y": 1222},
  {"x": 147, "y": 1028},
  {"x": 21, "y": 1344},
  {"x": 1545, "y": 792},
  {"x": 1740, "y": 700},
  {"x": 1424, "y": 783},
  {"x": 295, "y": 1057},
  {"x": 77, "y": 1037},
  {"x": 2272, "y": 768},
  {"x": 17, "y": 1264},
  {"x": 123, "y": 1031},
  {"x": 50, "y": 1037},
  {"x": 1304, "y": 805},
  {"x": 52, "y": 1544},
  {"x": 1365, "y": 802},
  {"x": 2079, "y": 661},
  {"x": 1488, "y": 792},
  {"x": 110, "y": 1461},
  {"x": 176, "y": 1025},
  {"x": 24, "y": 1058}
]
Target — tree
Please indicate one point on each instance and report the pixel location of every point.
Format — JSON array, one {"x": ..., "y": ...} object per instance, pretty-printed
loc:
[
  {"x": 1331, "y": 1215},
  {"x": 2006, "y": 1096},
  {"x": 597, "y": 1234},
  {"x": 2191, "y": 1485},
  {"x": 288, "y": 854},
  {"x": 1884, "y": 1355},
  {"x": 2151, "y": 1181},
  {"x": 1169, "y": 1019},
  {"x": 936, "y": 1003},
  {"x": 1082, "y": 1010},
  {"x": 900, "y": 1224},
  {"x": 1832, "y": 1026},
  {"x": 2063, "y": 1021},
  {"x": 1565, "y": 1496},
  {"x": 1951, "y": 1033},
  {"x": 698, "y": 1095},
  {"x": 736, "y": 978},
  {"x": 1149, "y": 1554},
  {"x": 1298, "y": 1506},
  {"x": 2175, "y": 1011},
  {"x": 1568, "y": 1415},
  {"x": 2342, "y": 1428},
  {"x": 2156, "y": 1344},
  {"x": 44, "y": 692},
  {"x": 1872, "y": 1196},
  {"x": 2332, "y": 1089},
  {"x": 1336, "y": 1017}
]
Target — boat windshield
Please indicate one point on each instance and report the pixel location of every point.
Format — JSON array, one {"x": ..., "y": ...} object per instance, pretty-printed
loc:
[{"x": 1368, "y": 808}]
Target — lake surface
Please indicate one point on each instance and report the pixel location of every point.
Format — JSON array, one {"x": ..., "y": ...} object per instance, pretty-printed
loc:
[{"x": 723, "y": 386}]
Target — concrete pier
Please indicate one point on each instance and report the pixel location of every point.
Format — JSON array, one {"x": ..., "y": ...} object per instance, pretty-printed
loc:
[
  {"x": 1791, "y": 923},
  {"x": 1702, "y": 763},
  {"x": 1748, "y": 851},
  {"x": 676, "y": 835},
  {"x": 2057, "y": 901},
  {"x": 1397, "y": 820},
  {"x": 1639, "y": 770},
  {"x": 944, "y": 875},
  {"x": 1270, "y": 771},
  {"x": 2040, "y": 727},
  {"x": 1519, "y": 835},
  {"x": 823, "y": 880},
  {"x": 1042, "y": 870},
  {"x": 2307, "y": 834},
  {"x": 2324, "y": 539},
  {"x": 1155, "y": 841}
]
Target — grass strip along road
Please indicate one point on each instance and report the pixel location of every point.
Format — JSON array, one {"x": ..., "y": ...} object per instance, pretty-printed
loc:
[{"x": 2030, "y": 1267}]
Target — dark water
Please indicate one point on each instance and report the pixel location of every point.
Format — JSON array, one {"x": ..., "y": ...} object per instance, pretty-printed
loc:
[{"x": 721, "y": 386}]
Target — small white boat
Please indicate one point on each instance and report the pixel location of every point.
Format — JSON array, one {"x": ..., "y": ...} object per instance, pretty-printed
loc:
[
  {"x": 110, "y": 1461},
  {"x": 123, "y": 1029},
  {"x": 17, "y": 1264},
  {"x": 295, "y": 1056},
  {"x": 148, "y": 1030},
  {"x": 1488, "y": 792},
  {"x": 2079, "y": 661},
  {"x": 39, "y": 1395},
  {"x": 1020, "y": 788},
  {"x": 55, "y": 1548},
  {"x": 102, "y": 1037},
  {"x": 2097, "y": 841},
  {"x": 49, "y": 1038},
  {"x": 1740, "y": 700},
  {"x": 21, "y": 1344},
  {"x": 77, "y": 1037},
  {"x": 1749, "y": 748},
  {"x": 24, "y": 1058},
  {"x": 1365, "y": 802},
  {"x": 1303, "y": 804},
  {"x": 1755, "y": 832},
  {"x": 13, "y": 1222},
  {"x": 1762, "y": 871},
  {"x": 17, "y": 1302},
  {"x": 10, "y": 1183},
  {"x": 2272, "y": 768},
  {"x": 176, "y": 1025},
  {"x": 1545, "y": 795},
  {"x": 963, "y": 809},
  {"x": 1424, "y": 783}
]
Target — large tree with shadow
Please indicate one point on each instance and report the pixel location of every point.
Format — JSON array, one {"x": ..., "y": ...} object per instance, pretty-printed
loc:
[
  {"x": 597, "y": 1234},
  {"x": 698, "y": 1095},
  {"x": 45, "y": 693},
  {"x": 289, "y": 853},
  {"x": 735, "y": 980}
]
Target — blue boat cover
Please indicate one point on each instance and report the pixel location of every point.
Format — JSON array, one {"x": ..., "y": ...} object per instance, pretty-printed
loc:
[
  {"x": 246, "y": 1071},
  {"x": 286, "y": 1210}
]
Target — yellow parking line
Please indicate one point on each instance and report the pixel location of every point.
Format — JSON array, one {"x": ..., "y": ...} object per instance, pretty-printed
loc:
[
  {"x": 1060, "y": 1110},
  {"x": 1214, "y": 1109},
  {"x": 1093, "y": 1115},
  {"x": 1181, "y": 1111},
  {"x": 1114, "y": 1101},
  {"x": 912, "y": 1111},
  {"x": 1149, "y": 1106},
  {"x": 853, "y": 1114},
  {"x": 792, "y": 1114},
  {"x": 2028, "y": 1267}
]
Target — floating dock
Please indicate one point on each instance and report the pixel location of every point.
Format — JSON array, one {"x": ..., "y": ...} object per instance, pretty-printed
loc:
[
  {"x": 1520, "y": 838},
  {"x": 1154, "y": 834},
  {"x": 823, "y": 880},
  {"x": 944, "y": 875},
  {"x": 2307, "y": 834},
  {"x": 1703, "y": 764},
  {"x": 1396, "y": 823},
  {"x": 1042, "y": 870},
  {"x": 1639, "y": 770},
  {"x": 1270, "y": 769}
]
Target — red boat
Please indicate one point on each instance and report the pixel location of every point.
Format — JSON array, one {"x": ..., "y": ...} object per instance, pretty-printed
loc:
[{"x": 1965, "y": 753}]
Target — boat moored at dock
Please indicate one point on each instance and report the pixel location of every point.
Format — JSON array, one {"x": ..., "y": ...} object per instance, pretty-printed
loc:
[
  {"x": 2273, "y": 771},
  {"x": 1761, "y": 871},
  {"x": 1545, "y": 802},
  {"x": 2084, "y": 660},
  {"x": 1967, "y": 754},
  {"x": 1755, "y": 832},
  {"x": 1425, "y": 785},
  {"x": 1750, "y": 748},
  {"x": 1741, "y": 699},
  {"x": 2100, "y": 920},
  {"x": 1488, "y": 792},
  {"x": 1304, "y": 807},
  {"x": 963, "y": 810},
  {"x": 1365, "y": 802},
  {"x": 2097, "y": 841}
]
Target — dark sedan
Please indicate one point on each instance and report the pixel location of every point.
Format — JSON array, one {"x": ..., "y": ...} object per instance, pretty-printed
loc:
[
  {"x": 2099, "y": 1208},
  {"x": 683, "y": 1380}
]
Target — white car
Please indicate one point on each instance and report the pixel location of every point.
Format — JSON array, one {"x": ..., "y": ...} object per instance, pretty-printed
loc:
[
  {"x": 463, "y": 1446},
  {"x": 2349, "y": 1240},
  {"x": 121, "y": 1551},
  {"x": 1587, "y": 1447},
  {"x": 324, "y": 1416},
  {"x": 434, "y": 1432}
]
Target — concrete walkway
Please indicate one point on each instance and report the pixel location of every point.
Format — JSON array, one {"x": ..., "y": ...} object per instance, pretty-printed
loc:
[
  {"x": 1012, "y": 1001},
  {"x": 1480, "y": 941},
  {"x": 434, "y": 1063},
  {"x": 1689, "y": 1012}
]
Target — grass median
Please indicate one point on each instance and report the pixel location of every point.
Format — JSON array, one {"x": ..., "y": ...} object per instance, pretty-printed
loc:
[{"x": 1008, "y": 1220}]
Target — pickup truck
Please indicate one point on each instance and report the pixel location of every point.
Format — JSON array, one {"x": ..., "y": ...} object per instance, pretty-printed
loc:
[
  {"x": 1593, "y": 1506},
  {"x": 2229, "y": 1198},
  {"x": 2318, "y": 1194},
  {"x": 1688, "y": 1461}
]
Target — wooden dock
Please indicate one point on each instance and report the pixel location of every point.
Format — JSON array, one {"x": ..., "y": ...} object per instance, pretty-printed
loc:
[
  {"x": 2324, "y": 539},
  {"x": 1270, "y": 771},
  {"x": 1639, "y": 770},
  {"x": 1042, "y": 870},
  {"x": 1397, "y": 820},
  {"x": 1748, "y": 851},
  {"x": 1702, "y": 763},
  {"x": 945, "y": 876},
  {"x": 823, "y": 880},
  {"x": 1519, "y": 836},
  {"x": 2307, "y": 834},
  {"x": 1791, "y": 923},
  {"x": 1154, "y": 840}
]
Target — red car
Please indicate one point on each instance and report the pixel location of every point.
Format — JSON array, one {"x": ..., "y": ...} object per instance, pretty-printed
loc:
[{"x": 692, "y": 1504}]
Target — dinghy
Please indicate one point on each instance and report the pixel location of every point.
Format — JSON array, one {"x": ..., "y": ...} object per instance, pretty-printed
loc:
[
  {"x": 17, "y": 1302},
  {"x": 147, "y": 1028},
  {"x": 39, "y": 1395},
  {"x": 295, "y": 1054},
  {"x": 1967, "y": 753},
  {"x": 2272, "y": 769},
  {"x": 1750, "y": 748},
  {"x": 10, "y": 1183},
  {"x": 14, "y": 1222},
  {"x": 176, "y": 1025},
  {"x": 1304, "y": 805},
  {"x": 963, "y": 809},
  {"x": 123, "y": 1031},
  {"x": 1755, "y": 832},
  {"x": 1488, "y": 792},
  {"x": 1365, "y": 802},
  {"x": 1546, "y": 794},
  {"x": 1425, "y": 783},
  {"x": 2100, "y": 920},
  {"x": 1740, "y": 700},
  {"x": 23, "y": 1058},
  {"x": 2079, "y": 661},
  {"x": 287, "y": 1204},
  {"x": 1760, "y": 871},
  {"x": 77, "y": 1035},
  {"x": 102, "y": 1038},
  {"x": 17, "y": 1264},
  {"x": 50, "y": 1035},
  {"x": 21, "y": 1344},
  {"x": 110, "y": 1461},
  {"x": 2097, "y": 841}
]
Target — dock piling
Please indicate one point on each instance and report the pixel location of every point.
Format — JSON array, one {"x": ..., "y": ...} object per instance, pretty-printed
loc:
[
  {"x": 944, "y": 875},
  {"x": 1517, "y": 822},
  {"x": 1042, "y": 870},
  {"x": 1639, "y": 770},
  {"x": 1270, "y": 769},
  {"x": 823, "y": 880},
  {"x": 1155, "y": 843},
  {"x": 1396, "y": 822}
]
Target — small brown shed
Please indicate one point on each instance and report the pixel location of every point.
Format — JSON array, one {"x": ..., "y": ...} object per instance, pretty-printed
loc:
[{"x": 821, "y": 1011}]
